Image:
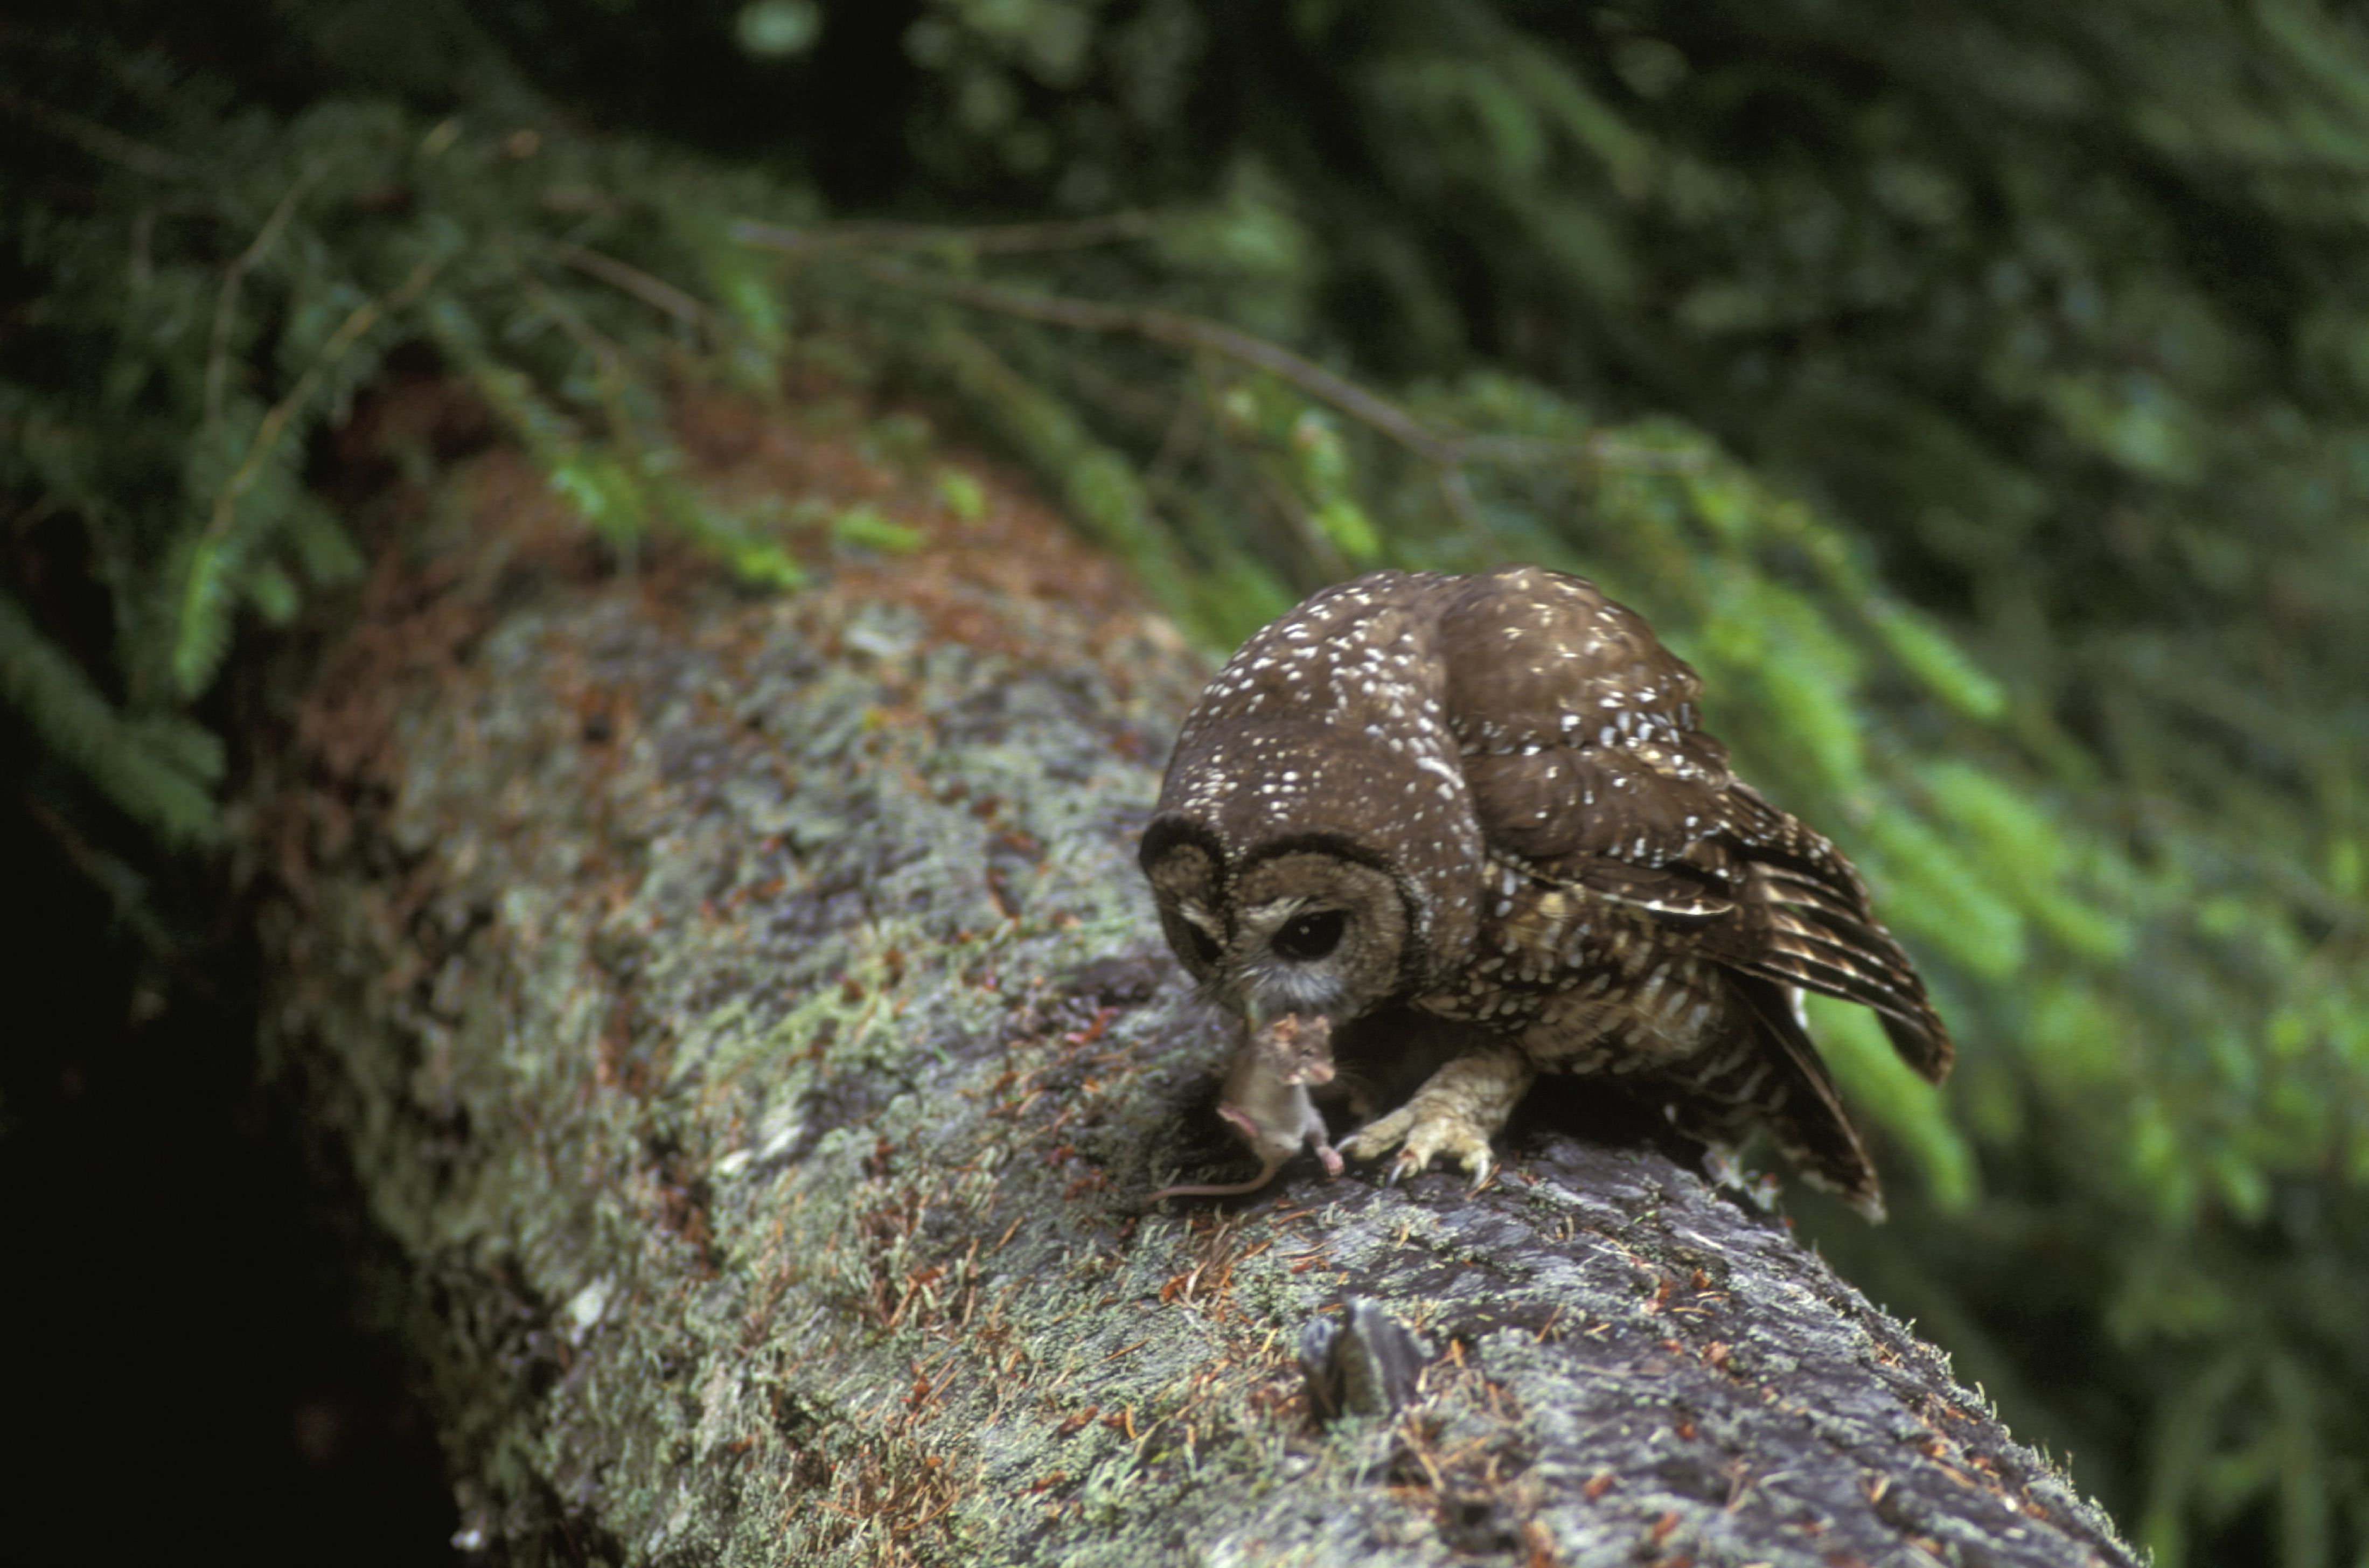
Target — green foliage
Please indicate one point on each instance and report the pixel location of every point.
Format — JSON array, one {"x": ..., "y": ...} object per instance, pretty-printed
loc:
[
  {"x": 2035, "y": 335},
  {"x": 160, "y": 769},
  {"x": 873, "y": 529},
  {"x": 1978, "y": 397},
  {"x": 210, "y": 312}
]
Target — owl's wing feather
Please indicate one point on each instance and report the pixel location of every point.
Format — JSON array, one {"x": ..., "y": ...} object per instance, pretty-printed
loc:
[
  {"x": 1580, "y": 744},
  {"x": 1586, "y": 760},
  {"x": 1821, "y": 935},
  {"x": 1607, "y": 823}
]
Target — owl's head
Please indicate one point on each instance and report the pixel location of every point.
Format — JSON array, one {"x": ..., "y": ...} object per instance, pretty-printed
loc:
[
  {"x": 1306, "y": 927},
  {"x": 1315, "y": 850}
]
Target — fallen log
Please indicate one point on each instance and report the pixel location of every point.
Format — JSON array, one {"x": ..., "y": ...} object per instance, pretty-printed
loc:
[{"x": 745, "y": 1019}]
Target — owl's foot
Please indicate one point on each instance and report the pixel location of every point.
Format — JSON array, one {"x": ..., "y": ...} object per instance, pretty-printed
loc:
[
  {"x": 1425, "y": 1138},
  {"x": 1455, "y": 1113}
]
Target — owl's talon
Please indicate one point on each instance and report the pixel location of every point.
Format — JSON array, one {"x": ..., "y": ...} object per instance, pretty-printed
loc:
[
  {"x": 1453, "y": 1115},
  {"x": 1423, "y": 1140},
  {"x": 1378, "y": 1139}
]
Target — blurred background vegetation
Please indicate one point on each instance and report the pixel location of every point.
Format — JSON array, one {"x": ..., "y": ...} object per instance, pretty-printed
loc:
[{"x": 1975, "y": 391}]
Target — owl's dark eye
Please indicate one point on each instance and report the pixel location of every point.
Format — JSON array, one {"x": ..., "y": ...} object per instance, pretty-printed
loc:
[
  {"x": 1310, "y": 936},
  {"x": 1205, "y": 947}
]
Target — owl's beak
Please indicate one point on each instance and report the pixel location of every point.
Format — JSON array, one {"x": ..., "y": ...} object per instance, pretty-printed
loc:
[{"x": 1262, "y": 1012}]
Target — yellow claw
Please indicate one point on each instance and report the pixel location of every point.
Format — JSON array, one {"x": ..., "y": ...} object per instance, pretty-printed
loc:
[
  {"x": 1455, "y": 1113},
  {"x": 1427, "y": 1132},
  {"x": 1378, "y": 1138}
]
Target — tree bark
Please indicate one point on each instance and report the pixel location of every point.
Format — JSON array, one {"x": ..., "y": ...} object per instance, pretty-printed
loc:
[{"x": 746, "y": 1019}]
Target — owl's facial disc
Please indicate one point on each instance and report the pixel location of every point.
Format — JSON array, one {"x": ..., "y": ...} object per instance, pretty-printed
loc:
[
  {"x": 1314, "y": 934},
  {"x": 1184, "y": 878}
]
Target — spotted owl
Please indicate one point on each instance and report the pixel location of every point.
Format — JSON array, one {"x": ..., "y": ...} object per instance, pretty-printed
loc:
[{"x": 1490, "y": 800}]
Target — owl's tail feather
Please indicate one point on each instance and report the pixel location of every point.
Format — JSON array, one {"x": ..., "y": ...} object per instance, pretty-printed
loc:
[
  {"x": 1803, "y": 1109},
  {"x": 1923, "y": 1042},
  {"x": 1822, "y": 937}
]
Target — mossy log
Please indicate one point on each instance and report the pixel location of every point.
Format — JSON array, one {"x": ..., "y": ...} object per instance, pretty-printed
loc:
[{"x": 744, "y": 1018}]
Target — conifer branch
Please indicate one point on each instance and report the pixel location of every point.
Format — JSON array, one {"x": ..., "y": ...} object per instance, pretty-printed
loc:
[
  {"x": 275, "y": 423},
  {"x": 100, "y": 142},
  {"x": 201, "y": 640},
  {"x": 654, "y": 292},
  {"x": 157, "y": 771},
  {"x": 1448, "y": 448},
  {"x": 235, "y": 278},
  {"x": 1004, "y": 239}
]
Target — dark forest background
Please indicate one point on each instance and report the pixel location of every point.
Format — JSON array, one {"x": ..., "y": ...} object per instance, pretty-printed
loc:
[{"x": 1976, "y": 391}]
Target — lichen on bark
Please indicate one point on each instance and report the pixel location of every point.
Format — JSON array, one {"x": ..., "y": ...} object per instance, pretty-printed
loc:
[{"x": 744, "y": 1018}]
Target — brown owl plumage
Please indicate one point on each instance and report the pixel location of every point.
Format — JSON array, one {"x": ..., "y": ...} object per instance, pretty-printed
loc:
[{"x": 1489, "y": 798}]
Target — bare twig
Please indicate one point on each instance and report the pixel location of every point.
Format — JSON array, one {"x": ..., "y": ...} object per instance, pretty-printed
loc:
[
  {"x": 267, "y": 435},
  {"x": 654, "y": 292},
  {"x": 607, "y": 358},
  {"x": 235, "y": 278},
  {"x": 1449, "y": 448},
  {"x": 99, "y": 141},
  {"x": 1176, "y": 444},
  {"x": 1456, "y": 490},
  {"x": 125, "y": 888},
  {"x": 141, "y": 269},
  {"x": 1180, "y": 331},
  {"x": 997, "y": 239}
]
